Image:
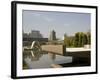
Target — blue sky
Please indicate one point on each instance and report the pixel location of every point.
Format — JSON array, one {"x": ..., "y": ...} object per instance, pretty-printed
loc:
[{"x": 61, "y": 22}]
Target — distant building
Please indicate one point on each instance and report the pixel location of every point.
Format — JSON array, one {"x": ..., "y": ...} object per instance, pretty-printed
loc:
[
  {"x": 25, "y": 35},
  {"x": 52, "y": 35},
  {"x": 34, "y": 35}
]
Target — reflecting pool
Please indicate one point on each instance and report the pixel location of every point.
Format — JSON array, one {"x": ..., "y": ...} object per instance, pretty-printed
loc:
[{"x": 36, "y": 60}]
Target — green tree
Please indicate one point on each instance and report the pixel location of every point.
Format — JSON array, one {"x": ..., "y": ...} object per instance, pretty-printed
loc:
[
  {"x": 89, "y": 37},
  {"x": 85, "y": 40},
  {"x": 71, "y": 41},
  {"x": 65, "y": 39},
  {"x": 76, "y": 40},
  {"x": 80, "y": 39}
]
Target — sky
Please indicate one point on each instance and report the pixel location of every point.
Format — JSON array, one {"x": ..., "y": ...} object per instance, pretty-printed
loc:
[{"x": 60, "y": 22}]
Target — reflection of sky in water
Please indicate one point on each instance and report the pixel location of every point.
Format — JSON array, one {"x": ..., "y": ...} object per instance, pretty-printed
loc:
[{"x": 45, "y": 60}]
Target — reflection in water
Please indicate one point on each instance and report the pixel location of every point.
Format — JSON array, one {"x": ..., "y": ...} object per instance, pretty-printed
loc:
[
  {"x": 32, "y": 55},
  {"x": 53, "y": 56},
  {"x": 36, "y": 59}
]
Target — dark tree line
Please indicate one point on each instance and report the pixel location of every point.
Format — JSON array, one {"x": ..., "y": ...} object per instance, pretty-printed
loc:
[{"x": 79, "y": 40}]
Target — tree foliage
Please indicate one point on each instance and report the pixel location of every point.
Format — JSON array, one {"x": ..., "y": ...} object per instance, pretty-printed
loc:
[{"x": 79, "y": 40}]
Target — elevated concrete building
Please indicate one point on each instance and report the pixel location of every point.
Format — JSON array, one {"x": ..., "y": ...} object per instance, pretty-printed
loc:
[
  {"x": 52, "y": 35},
  {"x": 34, "y": 35}
]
